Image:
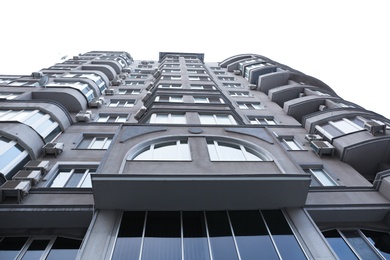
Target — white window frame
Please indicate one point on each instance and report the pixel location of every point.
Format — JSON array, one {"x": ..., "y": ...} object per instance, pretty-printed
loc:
[
  {"x": 214, "y": 150},
  {"x": 240, "y": 94},
  {"x": 106, "y": 117},
  {"x": 258, "y": 120},
  {"x": 182, "y": 147},
  {"x": 172, "y": 99},
  {"x": 173, "y": 86},
  {"x": 121, "y": 103},
  {"x": 129, "y": 91},
  {"x": 92, "y": 144},
  {"x": 62, "y": 177},
  {"x": 208, "y": 100},
  {"x": 249, "y": 105},
  {"x": 217, "y": 120},
  {"x": 321, "y": 176},
  {"x": 290, "y": 143},
  {"x": 172, "y": 118}
]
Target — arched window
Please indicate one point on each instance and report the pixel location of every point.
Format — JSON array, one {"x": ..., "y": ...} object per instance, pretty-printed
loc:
[
  {"x": 175, "y": 150},
  {"x": 224, "y": 150}
]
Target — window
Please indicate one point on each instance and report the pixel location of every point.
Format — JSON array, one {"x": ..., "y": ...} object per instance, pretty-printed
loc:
[
  {"x": 354, "y": 243},
  {"x": 139, "y": 76},
  {"x": 169, "y": 86},
  {"x": 8, "y": 95},
  {"x": 69, "y": 177},
  {"x": 219, "y": 72},
  {"x": 290, "y": 143},
  {"x": 213, "y": 100},
  {"x": 320, "y": 177},
  {"x": 169, "y": 99},
  {"x": 340, "y": 127},
  {"x": 226, "y": 78},
  {"x": 41, "y": 122},
  {"x": 239, "y": 94},
  {"x": 249, "y": 105},
  {"x": 129, "y": 91},
  {"x": 217, "y": 119},
  {"x": 171, "y": 77},
  {"x": 121, "y": 103},
  {"x": 134, "y": 83},
  {"x": 260, "y": 120},
  {"x": 37, "y": 247},
  {"x": 198, "y": 78},
  {"x": 249, "y": 234},
  {"x": 205, "y": 87},
  {"x": 229, "y": 151},
  {"x": 167, "y": 118},
  {"x": 231, "y": 85},
  {"x": 171, "y": 70},
  {"x": 82, "y": 87},
  {"x": 12, "y": 157},
  {"x": 90, "y": 141},
  {"x": 107, "y": 118},
  {"x": 175, "y": 150},
  {"x": 92, "y": 76},
  {"x": 190, "y": 71}
]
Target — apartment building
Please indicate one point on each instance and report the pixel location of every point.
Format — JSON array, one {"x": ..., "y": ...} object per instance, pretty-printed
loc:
[{"x": 106, "y": 157}]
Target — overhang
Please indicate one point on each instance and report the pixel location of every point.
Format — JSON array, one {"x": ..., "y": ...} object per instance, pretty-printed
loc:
[{"x": 199, "y": 192}]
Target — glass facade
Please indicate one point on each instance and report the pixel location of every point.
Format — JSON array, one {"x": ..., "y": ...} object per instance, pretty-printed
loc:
[{"x": 205, "y": 235}]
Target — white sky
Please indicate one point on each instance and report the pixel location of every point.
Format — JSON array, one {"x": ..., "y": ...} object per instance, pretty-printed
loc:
[{"x": 345, "y": 44}]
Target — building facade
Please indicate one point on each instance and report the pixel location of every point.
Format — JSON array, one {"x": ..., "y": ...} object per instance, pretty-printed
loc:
[{"x": 107, "y": 157}]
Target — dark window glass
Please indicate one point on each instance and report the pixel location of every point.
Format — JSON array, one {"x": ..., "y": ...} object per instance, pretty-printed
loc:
[
  {"x": 195, "y": 236},
  {"x": 252, "y": 237},
  {"x": 282, "y": 234},
  {"x": 128, "y": 243},
  {"x": 64, "y": 249},
  {"x": 162, "y": 236},
  {"x": 10, "y": 247},
  {"x": 338, "y": 244},
  {"x": 75, "y": 178},
  {"x": 35, "y": 250},
  {"x": 221, "y": 240},
  {"x": 380, "y": 240},
  {"x": 360, "y": 245}
]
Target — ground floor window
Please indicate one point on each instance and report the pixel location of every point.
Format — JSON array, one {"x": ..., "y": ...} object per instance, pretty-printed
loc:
[{"x": 202, "y": 235}]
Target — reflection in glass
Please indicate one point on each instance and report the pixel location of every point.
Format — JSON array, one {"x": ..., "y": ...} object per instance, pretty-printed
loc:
[
  {"x": 338, "y": 244},
  {"x": 360, "y": 245},
  {"x": 64, "y": 249},
  {"x": 380, "y": 240},
  {"x": 221, "y": 240},
  {"x": 195, "y": 236},
  {"x": 35, "y": 250},
  {"x": 10, "y": 247},
  {"x": 162, "y": 236},
  {"x": 128, "y": 243},
  {"x": 252, "y": 236},
  {"x": 282, "y": 234}
]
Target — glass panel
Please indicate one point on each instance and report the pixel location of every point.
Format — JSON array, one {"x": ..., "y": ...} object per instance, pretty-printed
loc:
[
  {"x": 221, "y": 240},
  {"x": 225, "y": 120},
  {"x": 35, "y": 250},
  {"x": 98, "y": 143},
  {"x": 380, "y": 240},
  {"x": 161, "y": 118},
  {"x": 195, "y": 236},
  {"x": 206, "y": 119},
  {"x": 359, "y": 244},
  {"x": 322, "y": 177},
  {"x": 61, "y": 179},
  {"x": 128, "y": 242},
  {"x": 85, "y": 142},
  {"x": 11, "y": 246},
  {"x": 107, "y": 143},
  {"x": 9, "y": 156},
  {"x": 178, "y": 118},
  {"x": 64, "y": 249},
  {"x": 282, "y": 234},
  {"x": 252, "y": 237},
  {"x": 345, "y": 127},
  {"x": 87, "y": 183},
  {"x": 162, "y": 236},
  {"x": 252, "y": 155},
  {"x": 212, "y": 149},
  {"x": 338, "y": 244},
  {"x": 292, "y": 144},
  {"x": 230, "y": 152},
  {"x": 75, "y": 178}
]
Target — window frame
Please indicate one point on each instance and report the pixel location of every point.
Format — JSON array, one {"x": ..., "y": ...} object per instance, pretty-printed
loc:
[
  {"x": 106, "y": 142},
  {"x": 316, "y": 181}
]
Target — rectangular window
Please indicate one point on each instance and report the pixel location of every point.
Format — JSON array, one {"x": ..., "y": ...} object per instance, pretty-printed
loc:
[
  {"x": 171, "y": 70},
  {"x": 203, "y": 87},
  {"x": 167, "y": 118},
  {"x": 121, "y": 103},
  {"x": 108, "y": 118},
  {"x": 169, "y": 99},
  {"x": 211, "y": 100},
  {"x": 90, "y": 141},
  {"x": 249, "y": 105},
  {"x": 72, "y": 177},
  {"x": 239, "y": 93},
  {"x": 217, "y": 119},
  {"x": 290, "y": 143},
  {"x": 193, "y": 78},
  {"x": 134, "y": 83},
  {"x": 174, "y": 86},
  {"x": 8, "y": 95},
  {"x": 140, "y": 76},
  {"x": 320, "y": 177},
  {"x": 196, "y": 71},
  {"x": 226, "y": 78},
  {"x": 232, "y": 85},
  {"x": 129, "y": 91},
  {"x": 259, "y": 120},
  {"x": 171, "y": 77}
]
